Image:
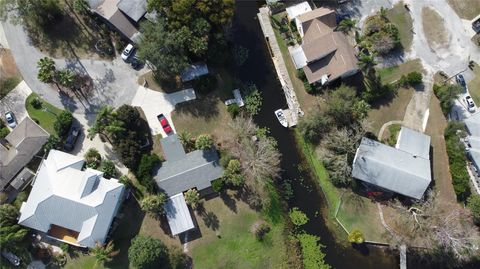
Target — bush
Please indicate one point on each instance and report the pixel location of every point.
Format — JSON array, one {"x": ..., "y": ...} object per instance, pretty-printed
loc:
[
  {"x": 314, "y": 126},
  {"x": 233, "y": 173},
  {"x": 147, "y": 253},
  {"x": 380, "y": 35},
  {"x": 203, "y": 142},
  {"x": 218, "y": 184},
  {"x": 411, "y": 79},
  {"x": 4, "y": 131},
  {"x": 260, "y": 229},
  {"x": 93, "y": 158},
  {"x": 108, "y": 169},
  {"x": 192, "y": 198},
  {"x": 53, "y": 142},
  {"x": 205, "y": 83},
  {"x": 446, "y": 94},
  {"x": 36, "y": 103},
  {"x": 457, "y": 160},
  {"x": 356, "y": 237},
  {"x": 297, "y": 217},
  {"x": 145, "y": 168},
  {"x": 63, "y": 123},
  {"x": 154, "y": 204},
  {"x": 233, "y": 110},
  {"x": 474, "y": 205}
]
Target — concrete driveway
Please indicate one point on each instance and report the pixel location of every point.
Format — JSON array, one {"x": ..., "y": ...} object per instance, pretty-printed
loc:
[
  {"x": 154, "y": 103},
  {"x": 15, "y": 101}
]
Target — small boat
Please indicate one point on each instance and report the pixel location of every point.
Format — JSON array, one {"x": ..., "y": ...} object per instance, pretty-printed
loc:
[{"x": 281, "y": 117}]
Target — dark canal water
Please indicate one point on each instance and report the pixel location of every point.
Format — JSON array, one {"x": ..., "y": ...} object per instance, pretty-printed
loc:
[{"x": 259, "y": 70}]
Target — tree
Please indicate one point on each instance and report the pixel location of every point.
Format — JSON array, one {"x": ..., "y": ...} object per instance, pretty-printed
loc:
[
  {"x": 366, "y": 62},
  {"x": 63, "y": 123},
  {"x": 81, "y": 6},
  {"x": 192, "y": 197},
  {"x": 52, "y": 143},
  {"x": 104, "y": 253},
  {"x": 129, "y": 115},
  {"x": 383, "y": 13},
  {"x": 66, "y": 77},
  {"x": 93, "y": 158},
  {"x": 128, "y": 149},
  {"x": 314, "y": 126},
  {"x": 154, "y": 204},
  {"x": 253, "y": 100},
  {"x": 31, "y": 12},
  {"x": 297, "y": 217},
  {"x": 107, "y": 124},
  {"x": 108, "y": 168},
  {"x": 474, "y": 205},
  {"x": 46, "y": 70},
  {"x": 360, "y": 110},
  {"x": 145, "y": 169},
  {"x": 446, "y": 94},
  {"x": 10, "y": 232},
  {"x": 204, "y": 141},
  {"x": 147, "y": 253},
  {"x": 233, "y": 173},
  {"x": 356, "y": 236},
  {"x": 187, "y": 140},
  {"x": 340, "y": 105},
  {"x": 346, "y": 25}
]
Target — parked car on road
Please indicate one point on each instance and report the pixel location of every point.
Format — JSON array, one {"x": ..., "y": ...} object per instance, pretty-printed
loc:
[
  {"x": 460, "y": 80},
  {"x": 165, "y": 125},
  {"x": 11, "y": 121},
  {"x": 470, "y": 104},
  {"x": 136, "y": 63},
  {"x": 127, "y": 51},
  {"x": 476, "y": 25},
  {"x": 12, "y": 258},
  {"x": 71, "y": 139}
]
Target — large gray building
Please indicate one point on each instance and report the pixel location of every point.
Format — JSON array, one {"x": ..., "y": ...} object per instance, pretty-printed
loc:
[{"x": 473, "y": 128}]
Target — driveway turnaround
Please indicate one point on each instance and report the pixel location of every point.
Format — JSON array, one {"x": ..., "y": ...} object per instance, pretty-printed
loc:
[
  {"x": 155, "y": 103},
  {"x": 15, "y": 101}
]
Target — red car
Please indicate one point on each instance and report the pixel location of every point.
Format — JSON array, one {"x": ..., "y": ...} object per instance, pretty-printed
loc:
[{"x": 164, "y": 122}]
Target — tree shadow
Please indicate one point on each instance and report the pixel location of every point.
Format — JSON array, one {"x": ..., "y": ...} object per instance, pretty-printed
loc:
[
  {"x": 211, "y": 220},
  {"x": 204, "y": 107},
  {"x": 228, "y": 201}
]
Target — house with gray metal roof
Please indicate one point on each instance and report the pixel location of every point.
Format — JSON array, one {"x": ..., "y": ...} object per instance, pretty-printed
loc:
[
  {"x": 183, "y": 171},
  {"x": 473, "y": 150},
  {"x": 18, "y": 148},
  {"x": 403, "y": 169},
  {"x": 69, "y": 204}
]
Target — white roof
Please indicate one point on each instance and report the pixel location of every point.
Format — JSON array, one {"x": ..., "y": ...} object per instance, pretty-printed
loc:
[
  {"x": 298, "y": 10},
  {"x": 298, "y": 56},
  {"x": 473, "y": 124},
  {"x": 65, "y": 196},
  {"x": 178, "y": 215},
  {"x": 414, "y": 142}
]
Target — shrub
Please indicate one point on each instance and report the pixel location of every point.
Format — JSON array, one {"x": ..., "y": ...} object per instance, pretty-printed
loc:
[
  {"x": 192, "y": 198},
  {"x": 36, "y": 103},
  {"x": 411, "y": 79},
  {"x": 380, "y": 35},
  {"x": 52, "y": 143},
  {"x": 297, "y": 217},
  {"x": 205, "y": 83},
  {"x": 474, "y": 205},
  {"x": 314, "y": 126},
  {"x": 260, "y": 229},
  {"x": 93, "y": 158},
  {"x": 233, "y": 173},
  {"x": 63, "y": 123},
  {"x": 154, "y": 204},
  {"x": 446, "y": 94},
  {"x": 204, "y": 141},
  {"x": 147, "y": 253},
  {"x": 145, "y": 169},
  {"x": 4, "y": 131},
  {"x": 356, "y": 237},
  {"x": 233, "y": 110},
  {"x": 218, "y": 184},
  {"x": 108, "y": 169}
]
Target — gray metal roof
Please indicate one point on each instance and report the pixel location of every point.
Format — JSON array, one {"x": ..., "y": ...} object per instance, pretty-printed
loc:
[
  {"x": 196, "y": 170},
  {"x": 24, "y": 142},
  {"x": 194, "y": 71},
  {"x": 135, "y": 9},
  {"x": 22, "y": 179},
  {"x": 172, "y": 148},
  {"x": 392, "y": 169},
  {"x": 414, "y": 142},
  {"x": 473, "y": 124},
  {"x": 178, "y": 214}
]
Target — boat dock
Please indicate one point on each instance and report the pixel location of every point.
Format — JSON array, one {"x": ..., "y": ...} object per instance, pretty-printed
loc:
[{"x": 294, "y": 110}]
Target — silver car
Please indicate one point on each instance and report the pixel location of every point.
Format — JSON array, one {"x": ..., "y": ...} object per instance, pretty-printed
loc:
[
  {"x": 470, "y": 103},
  {"x": 12, "y": 123}
]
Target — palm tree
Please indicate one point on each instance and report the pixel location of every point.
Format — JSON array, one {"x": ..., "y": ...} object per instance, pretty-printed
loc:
[
  {"x": 383, "y": 13},
  {"x": 346, "y": 25},
  {"x": 104, "y": 253},
  {"x": 46, "y": 70},
  {"x": 187, "y": 139},
  {"x": 106, "y": 124},
  {"x": 366, "y": 62},
  {"x": 66, "y": 77}
]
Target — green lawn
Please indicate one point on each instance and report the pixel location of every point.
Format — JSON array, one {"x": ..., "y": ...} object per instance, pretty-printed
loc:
[
  {"x": 474, "y": 86},
  {"x": 231, "y": 244},
  {"x": 390, "y": 137},
  {"x": 368, "y": 222},
  {"x": 83, "y": 262},
  {"x": 390, "y": 74},
  {"x": 45, "y": 116},
  {"x": 401, "y": 17}
]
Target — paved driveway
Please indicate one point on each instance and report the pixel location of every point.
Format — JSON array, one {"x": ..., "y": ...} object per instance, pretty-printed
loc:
[
  {"x": 15, "y": 101},
  {"x": 154, "y": 103}
]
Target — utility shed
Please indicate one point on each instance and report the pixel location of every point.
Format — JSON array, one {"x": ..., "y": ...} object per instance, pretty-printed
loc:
[
  {"x": 395, "y": 169},
  {"x": 178, "y": 215}
]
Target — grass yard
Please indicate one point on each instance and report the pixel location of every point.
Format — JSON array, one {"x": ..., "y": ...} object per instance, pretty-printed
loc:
[
  {"x": 390, "y": 74},
  {"x": 401, "y": 17},
  {"x": 368, "y": 221},
  {"x": 45, "y": 116},
  {"x": 391, "y": 134},
  {"x": 434, "y": 28},
  {"x": 83, "y": 262},
  {"x": 306, "y": 100},
  {"x": 227, "y": 242},
  {"x": 474, "y": 85},
  {"x": 465, "y": 9},
  {"x": 393, "y": 110}
]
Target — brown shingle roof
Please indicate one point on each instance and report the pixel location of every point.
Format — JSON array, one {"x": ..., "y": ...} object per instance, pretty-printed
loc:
[
  {"x": 23, "y": 142},
  {"x": 318, "y": 13},
  {"x": 320, "y": 47}
]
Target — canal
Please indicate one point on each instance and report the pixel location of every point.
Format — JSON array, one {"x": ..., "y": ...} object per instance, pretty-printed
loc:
[{"x": 259, "y": 69}]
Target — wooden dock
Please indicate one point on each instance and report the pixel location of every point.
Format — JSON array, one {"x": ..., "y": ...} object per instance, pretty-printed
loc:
[
  {"x": 403, "y": 257},
  {"x": 294, "y": 110}
]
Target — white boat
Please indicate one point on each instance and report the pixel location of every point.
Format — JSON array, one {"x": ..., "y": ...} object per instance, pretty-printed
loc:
[{"x": 281, "y": 117}]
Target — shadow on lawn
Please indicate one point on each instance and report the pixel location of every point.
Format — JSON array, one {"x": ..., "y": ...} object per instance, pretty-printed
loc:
[{"x": 205, "y": 107}]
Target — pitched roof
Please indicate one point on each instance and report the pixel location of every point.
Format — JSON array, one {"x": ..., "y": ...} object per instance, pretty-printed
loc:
[
  {"x": 23, "y": 143},
  {"x": 172, "y": 148},
  {"x": 178, "y": 214},
  {"x": 298, "y": 9},
  {"x": 318, "y": 13},
  {"x": 194, "y": 170},
  {"x": 473, "y": 124},
  {"x": 414, "y": 142},
  {"x": 109, "y": 10},
  {"x": 392, "y": 169},
  {"x": 135, "y": 9},
  {"x": 63, "y": 195},
  {"x": 319, "y": 26}
]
